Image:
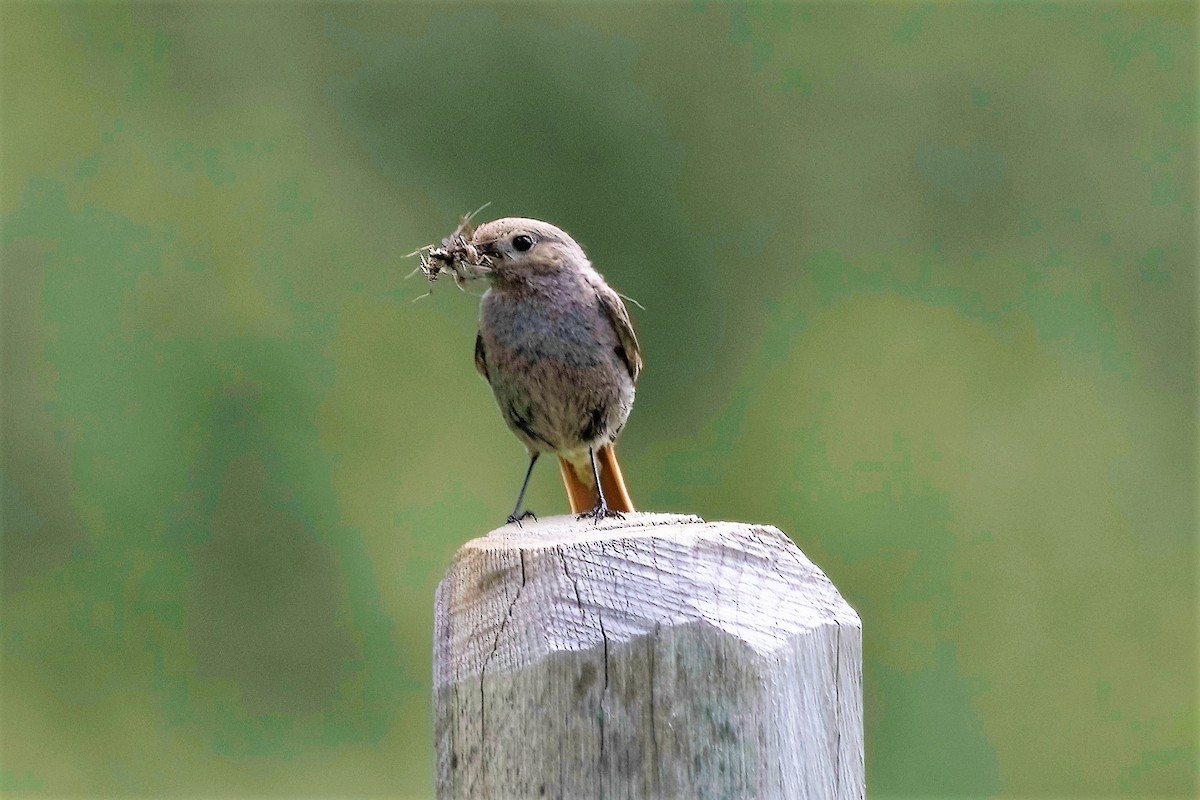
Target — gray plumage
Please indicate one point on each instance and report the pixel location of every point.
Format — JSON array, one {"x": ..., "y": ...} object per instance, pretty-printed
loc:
[{"x": 555, "y": 342}]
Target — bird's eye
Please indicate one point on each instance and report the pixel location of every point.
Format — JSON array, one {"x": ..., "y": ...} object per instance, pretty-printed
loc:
[{"x": 522, "y": 243}]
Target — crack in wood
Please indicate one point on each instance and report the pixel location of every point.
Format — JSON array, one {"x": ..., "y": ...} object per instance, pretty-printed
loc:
[
  {"x": 653, "y": 723},
  {"x": 603, "y": 695},
  {"x": 483, "y": 670},
  {"x": 574, "y": 584}
]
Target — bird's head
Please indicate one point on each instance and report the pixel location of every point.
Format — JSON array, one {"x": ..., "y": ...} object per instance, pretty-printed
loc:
[{"x": 517, "y": 247}]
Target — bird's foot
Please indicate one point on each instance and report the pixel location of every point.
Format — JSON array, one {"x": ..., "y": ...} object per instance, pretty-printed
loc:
[
  {"x": 601, "y": 511},
  {"x": 514, "y": 519}
]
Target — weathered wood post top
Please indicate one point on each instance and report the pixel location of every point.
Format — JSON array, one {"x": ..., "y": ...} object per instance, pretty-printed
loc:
[{"x": 654, "y": 656}]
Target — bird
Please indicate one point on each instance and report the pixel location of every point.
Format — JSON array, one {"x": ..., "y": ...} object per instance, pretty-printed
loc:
[{"x": 556, "y": 345}]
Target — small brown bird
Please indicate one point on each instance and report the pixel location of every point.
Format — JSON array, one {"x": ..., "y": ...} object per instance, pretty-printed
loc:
[{"x": 556, "y": 345}]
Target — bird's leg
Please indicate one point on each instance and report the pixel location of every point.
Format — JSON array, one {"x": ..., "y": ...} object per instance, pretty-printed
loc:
[
  {"x": 513, "y": 517},
  {"x": 601, "y": 510}
]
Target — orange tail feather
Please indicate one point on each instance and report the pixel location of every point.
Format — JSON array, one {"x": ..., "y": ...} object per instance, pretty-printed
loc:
[
  {"x": 581, "y": 496},
  {"x": 581, "y": 489},
  {"x": 612, "y": 480}
]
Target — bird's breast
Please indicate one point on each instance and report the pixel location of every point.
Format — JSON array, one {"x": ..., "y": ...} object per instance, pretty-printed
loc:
[
  {"x": 531, "y": 329},
  {"x": 554, "y": 370}
]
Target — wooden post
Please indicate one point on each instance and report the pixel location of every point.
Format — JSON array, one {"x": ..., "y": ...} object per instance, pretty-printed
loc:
[{"x": 655, "y": 656}]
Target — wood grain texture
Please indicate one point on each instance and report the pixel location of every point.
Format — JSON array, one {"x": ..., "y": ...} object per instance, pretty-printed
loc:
[{"x": 655, "y": 656}]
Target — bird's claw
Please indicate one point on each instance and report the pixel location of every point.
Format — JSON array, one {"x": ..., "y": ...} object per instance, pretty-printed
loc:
[
  {"x": 601, "y": 511},
  {"x": 513, "y": 519}
]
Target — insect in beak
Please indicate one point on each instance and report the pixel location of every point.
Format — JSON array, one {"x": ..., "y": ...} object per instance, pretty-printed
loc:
[{"x": 486, "y": 249}]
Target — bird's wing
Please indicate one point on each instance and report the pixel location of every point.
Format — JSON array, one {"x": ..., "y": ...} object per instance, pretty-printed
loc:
[
  {"x": 480, "y": 357},
  {"x": 614, "y": 309}
]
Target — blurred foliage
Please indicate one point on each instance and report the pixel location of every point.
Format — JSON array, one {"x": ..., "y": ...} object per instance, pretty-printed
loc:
[{"x": 919, "y": 285}]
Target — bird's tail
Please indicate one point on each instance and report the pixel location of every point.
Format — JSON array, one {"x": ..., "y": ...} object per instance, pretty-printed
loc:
[{"x": 581, "y": 486}]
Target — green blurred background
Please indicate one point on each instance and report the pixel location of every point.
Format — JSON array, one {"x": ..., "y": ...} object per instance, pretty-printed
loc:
[{"x": 919, "y": 286}]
